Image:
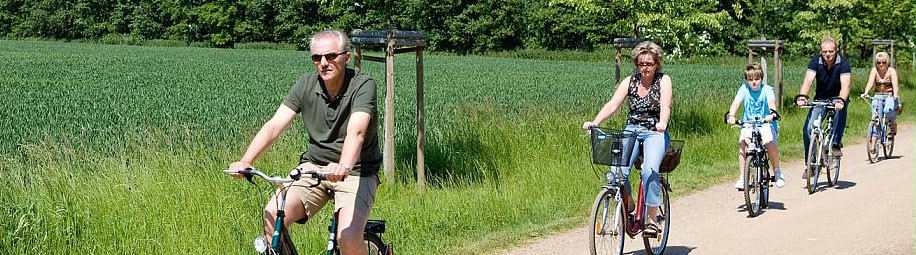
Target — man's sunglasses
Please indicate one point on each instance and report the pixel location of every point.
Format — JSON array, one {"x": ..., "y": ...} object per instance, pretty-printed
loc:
[{"x": 329, "y": 56}]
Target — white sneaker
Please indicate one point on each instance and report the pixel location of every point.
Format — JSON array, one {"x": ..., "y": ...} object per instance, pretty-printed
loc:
[
  {"x": 739, "y": 184},
  {"x": 780, "y": 181}
]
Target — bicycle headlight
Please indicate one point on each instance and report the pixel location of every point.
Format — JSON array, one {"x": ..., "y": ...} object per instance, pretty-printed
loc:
[{"x": 260, "y": 245}]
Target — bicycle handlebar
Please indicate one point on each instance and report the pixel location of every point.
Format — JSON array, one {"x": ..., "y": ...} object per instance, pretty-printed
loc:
[
  {"x": 819, "y": 104},
  {"x": 294, "y": 175},
  {"x": 756, "y": 120}
]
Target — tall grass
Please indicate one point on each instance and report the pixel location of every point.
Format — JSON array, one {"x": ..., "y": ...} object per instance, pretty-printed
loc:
[{"x": 117, "y": 149}]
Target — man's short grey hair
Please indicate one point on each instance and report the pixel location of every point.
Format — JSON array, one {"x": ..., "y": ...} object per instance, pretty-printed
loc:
[
  {"x": 342, "y": 38},
  {"x": 828, "y": 39}
]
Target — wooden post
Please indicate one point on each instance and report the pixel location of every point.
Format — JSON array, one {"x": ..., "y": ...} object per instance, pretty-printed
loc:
[
  {"x": 889, "y": 43},
  {"x": 750, "y": 55},
  {"x": 421, "y": 130},
  {"x": 777, "y": 75},
  {"x": 778, "y": 48},
  {"x": 626, "y": 43},
  {"x": 395, "y": 41},
  {"x": 874, "y": 52},
  {"x": 617, "y": 68},
  {"x": 893, "y": 58},
  {"x": 388, "y": 147},
  {"x": 358, "y": 60}
]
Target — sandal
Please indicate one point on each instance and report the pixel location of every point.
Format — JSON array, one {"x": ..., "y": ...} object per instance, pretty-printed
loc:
[{"x": 651, "y": 230}]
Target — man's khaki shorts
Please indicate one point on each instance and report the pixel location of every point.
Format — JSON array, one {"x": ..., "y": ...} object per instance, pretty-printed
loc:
[{"x": 354, "y": 191}]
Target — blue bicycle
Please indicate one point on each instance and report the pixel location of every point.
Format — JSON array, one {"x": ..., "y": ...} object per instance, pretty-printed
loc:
[
  {"x": 877, "y": 135},
  {"x": 282, "y": 244}
]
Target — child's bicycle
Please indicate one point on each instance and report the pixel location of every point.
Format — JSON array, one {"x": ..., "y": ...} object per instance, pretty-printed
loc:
[
  {"x": 820, "y": 152},
  {"x": 282, "y": 244},
  {"x": 757, "y": 177},
  {"x": 610, "y": 216},
  {"x": 877, "y": 134}
]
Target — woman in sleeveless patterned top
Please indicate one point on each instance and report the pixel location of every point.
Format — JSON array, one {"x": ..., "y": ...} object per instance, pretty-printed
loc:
[
  {"x": 884, "y": 78},
  {"x": 649, "y": 92}
]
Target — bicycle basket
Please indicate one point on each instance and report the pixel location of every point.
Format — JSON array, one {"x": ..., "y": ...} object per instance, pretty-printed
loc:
[
  {"x": 612, "y": 148},
  {"x": 672, "y": 157},
  {"x": 671, "y": 160}
]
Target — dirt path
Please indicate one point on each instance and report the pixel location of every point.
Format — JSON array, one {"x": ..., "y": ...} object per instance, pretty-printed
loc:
[{"x": 871, "y": 211}]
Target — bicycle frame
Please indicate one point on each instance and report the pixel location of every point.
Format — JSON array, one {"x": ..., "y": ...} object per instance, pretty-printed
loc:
[
  {"x": 757, "y": 189},
  {"x": 822, "y": 127},
  {"x": 880, "y": 118},
  {"x": 280, "y": 239},
  {"x": 617, "y": 182}
]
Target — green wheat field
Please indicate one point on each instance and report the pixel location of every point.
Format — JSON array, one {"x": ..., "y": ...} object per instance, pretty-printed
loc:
[{"x": 118, "y": 149}]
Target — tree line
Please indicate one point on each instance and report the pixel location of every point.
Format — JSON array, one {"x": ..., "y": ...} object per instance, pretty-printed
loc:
[{"x": 684, "y": 27}]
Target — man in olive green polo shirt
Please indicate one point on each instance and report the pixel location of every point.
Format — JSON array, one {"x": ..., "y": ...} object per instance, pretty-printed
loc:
[{"x": 338, "y": 108}]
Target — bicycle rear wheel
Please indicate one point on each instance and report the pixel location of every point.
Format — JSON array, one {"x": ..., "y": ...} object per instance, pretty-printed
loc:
[
  {"x": 606, "y": 231},
  {"x": 872, "y": 139},
  {"x": 888, "y": 143},
  {"x": 373, "y": 244},
  {"x": 752, "y": 190},
  {"x": 656, "y": 245},
  {"x": 814, "y": 162}
]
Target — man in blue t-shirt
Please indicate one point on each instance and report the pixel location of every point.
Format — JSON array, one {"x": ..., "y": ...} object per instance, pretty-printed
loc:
[{"x": 833, "y": 76}]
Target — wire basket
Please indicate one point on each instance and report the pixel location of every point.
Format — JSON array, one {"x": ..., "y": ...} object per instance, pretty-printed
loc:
[
  {"x": 671, "y": 160},
  {"x": 612, "y": 148}
]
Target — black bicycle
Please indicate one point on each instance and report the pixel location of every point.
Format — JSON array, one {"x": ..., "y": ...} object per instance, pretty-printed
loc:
[
  {"x": 282, "y": 244},
  {"x": 757, "y": 177}
]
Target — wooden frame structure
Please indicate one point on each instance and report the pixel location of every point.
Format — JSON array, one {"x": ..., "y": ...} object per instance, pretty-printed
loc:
[
  {"x": 623, "y": 43},
  {"x": 396, "y": 42},
  {"x": 884, "y": 42},
  {"x": 777, "y": 47}
]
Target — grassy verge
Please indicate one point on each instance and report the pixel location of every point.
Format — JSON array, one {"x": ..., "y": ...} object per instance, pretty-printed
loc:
[{"x": 117, "y": 149}]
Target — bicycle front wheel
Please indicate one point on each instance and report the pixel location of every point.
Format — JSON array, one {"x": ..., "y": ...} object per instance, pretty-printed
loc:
[
  {"x": 752, "y": 189},
  {"x": 814, "y": 162},
  {"x": 872, "y": 140},
  {"x": 606, "y": 231},
  {"x": 833, "y": 171},
  {"x": 656, "y": 245}
]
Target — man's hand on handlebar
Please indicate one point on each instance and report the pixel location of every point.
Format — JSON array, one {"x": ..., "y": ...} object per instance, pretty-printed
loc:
[
  {"x": 338, "y": 172},
  {"x": 801, "y": 100},
  {"x": 838, "y": 103},
  {"x": 238, "y": 166}
]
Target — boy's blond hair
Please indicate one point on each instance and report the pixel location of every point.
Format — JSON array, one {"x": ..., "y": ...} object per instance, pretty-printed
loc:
[{"x": 753, "y": 70}]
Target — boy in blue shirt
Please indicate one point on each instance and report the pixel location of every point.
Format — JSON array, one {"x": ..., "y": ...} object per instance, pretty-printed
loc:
[{"x": 759, "y": 102}]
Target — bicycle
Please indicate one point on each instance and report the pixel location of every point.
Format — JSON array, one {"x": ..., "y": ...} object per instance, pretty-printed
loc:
[
  {"x": 877, "y": 130},
  {"x": 282, "y": 244},
  {"x": 820, "y": 153},
  {"x": 757, "y": 181},
  {"x": 608, "y": 227}
]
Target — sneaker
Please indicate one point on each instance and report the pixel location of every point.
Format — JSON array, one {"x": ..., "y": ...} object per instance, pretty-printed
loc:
[
  {"x": 837, "y": 152},
  {"x": 739, "y": 185},
  {"x": 780, "y": 180}
]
